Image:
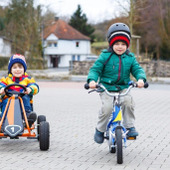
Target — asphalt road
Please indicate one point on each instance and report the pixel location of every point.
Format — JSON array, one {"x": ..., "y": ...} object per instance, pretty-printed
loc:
[{"x": 72, "y": 114}]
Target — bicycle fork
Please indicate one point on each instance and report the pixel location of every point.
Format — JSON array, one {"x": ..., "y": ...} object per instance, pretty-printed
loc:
[{"x": 114, "y": 124}]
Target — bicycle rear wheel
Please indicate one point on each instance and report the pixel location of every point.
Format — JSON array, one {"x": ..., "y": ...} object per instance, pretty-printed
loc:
[{"x": 119, "y": 147}]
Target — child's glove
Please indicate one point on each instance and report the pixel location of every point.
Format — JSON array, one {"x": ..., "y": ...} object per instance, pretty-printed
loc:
[
  {"x": 2, "y": 91},
  {"x": 28, "y": 90}
]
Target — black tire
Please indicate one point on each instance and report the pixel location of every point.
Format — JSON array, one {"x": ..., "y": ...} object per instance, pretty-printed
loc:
[
  {"x": 44, "y": 135},
  {"x": 40, "y": 118},
  {"x": 119, "y": 146}
]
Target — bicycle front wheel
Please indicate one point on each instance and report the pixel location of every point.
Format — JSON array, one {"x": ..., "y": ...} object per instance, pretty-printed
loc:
[{"x": 119, "y": 146}]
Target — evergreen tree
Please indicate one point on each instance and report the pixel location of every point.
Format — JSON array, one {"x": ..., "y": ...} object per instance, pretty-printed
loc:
[{"x": 79, "y": 22}]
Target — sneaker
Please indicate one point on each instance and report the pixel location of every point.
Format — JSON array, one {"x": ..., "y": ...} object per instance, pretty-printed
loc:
[
  {"x": 99, "y": 137},
  {"x": 32, "y": 117},
  {"x": 132, "y": 132}
]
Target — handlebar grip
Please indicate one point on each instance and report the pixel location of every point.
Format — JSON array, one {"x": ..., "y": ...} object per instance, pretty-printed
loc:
[
  {"x": 97, "y": 86},
  {"x": 146, "y": 85},
  {"x": 86, "y": 86}
]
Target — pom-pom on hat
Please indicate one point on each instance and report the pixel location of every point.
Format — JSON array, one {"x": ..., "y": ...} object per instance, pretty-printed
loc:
[
  {"x": 118, "y": 32},
  {"x": 17, "y": 58}
]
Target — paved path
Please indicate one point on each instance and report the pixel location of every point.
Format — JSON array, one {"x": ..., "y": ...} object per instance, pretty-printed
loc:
[{"x": 72, "y": 114}]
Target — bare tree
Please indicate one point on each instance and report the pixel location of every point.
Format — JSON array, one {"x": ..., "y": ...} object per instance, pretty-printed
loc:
[{"x": 22, "y": 26}]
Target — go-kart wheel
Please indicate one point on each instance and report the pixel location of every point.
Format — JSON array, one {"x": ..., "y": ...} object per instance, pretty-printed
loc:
[
  {"x": 119, "y": 148},
  {"x": 44, "y": 135},
  {"x": 40, "y": 118}
]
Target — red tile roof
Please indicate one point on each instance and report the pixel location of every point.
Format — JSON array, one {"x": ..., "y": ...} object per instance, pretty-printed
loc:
[{"x": 64, "y": 31}]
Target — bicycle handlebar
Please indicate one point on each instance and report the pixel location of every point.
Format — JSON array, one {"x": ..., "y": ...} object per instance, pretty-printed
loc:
[
  {"x": 132, "y": 84},
  {"x": 146, "y": 84}
]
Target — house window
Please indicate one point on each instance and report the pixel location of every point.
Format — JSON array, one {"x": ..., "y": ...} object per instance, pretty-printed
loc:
[
  {"x": 77, "y": 44},
  {"x": 49, "y": 44},
  {"x": 52, "y": 44},
  {"x": 78, "y": 58},
  {"x": 55, "y": 44},
  {"x": 73, "y": 57}
]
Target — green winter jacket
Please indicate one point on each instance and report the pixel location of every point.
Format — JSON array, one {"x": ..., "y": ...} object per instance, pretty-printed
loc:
[{"x": 115, "y": 74}]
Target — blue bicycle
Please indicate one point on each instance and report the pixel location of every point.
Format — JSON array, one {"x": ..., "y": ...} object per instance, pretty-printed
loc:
[{"x": 116, "y": 133}]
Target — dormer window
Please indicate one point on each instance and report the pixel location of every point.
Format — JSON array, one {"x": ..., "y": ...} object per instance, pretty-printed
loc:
[
  {"x": 49, "y": 44},
  {"x": 55, "y": 44},
  {"x": 52, "y": 44}
]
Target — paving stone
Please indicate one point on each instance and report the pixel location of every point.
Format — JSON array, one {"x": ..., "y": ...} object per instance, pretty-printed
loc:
[{"x": 72, "y": 114}]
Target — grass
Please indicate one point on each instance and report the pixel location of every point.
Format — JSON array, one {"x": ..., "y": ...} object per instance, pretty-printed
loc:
[{"x": 100, "y": 44}]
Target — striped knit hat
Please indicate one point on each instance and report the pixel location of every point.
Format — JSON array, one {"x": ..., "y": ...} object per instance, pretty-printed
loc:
[
  {"x": 118, "y": 32},
  {"x": 17, "y": 58}
]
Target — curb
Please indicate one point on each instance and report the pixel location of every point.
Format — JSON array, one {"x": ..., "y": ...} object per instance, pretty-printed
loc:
[{"x": 48, "y": 75}]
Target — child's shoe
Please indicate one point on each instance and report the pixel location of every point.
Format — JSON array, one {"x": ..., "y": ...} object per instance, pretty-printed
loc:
[
  {"x": 99, "y": 137},
  {"x": 132, "y": 132},
  {"x": 32, "y": 117}
]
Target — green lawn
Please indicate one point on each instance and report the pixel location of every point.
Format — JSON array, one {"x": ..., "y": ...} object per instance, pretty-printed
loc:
[{"x": 100, "y": 44}]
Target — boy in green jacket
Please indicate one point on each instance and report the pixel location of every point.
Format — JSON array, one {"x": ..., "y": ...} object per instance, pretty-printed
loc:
[{"x": 113, "y": 69}]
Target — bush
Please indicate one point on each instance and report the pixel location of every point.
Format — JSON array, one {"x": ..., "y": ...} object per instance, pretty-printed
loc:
[
  {"x": 4, "y": 62},
  {"x": 32, "y": 63},
  {"x": 35, "y": 63}
]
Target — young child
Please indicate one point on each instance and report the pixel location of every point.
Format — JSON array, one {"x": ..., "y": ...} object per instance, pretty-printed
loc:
[
  {"x": 112, "y": 69},
  {"x": 17, "y": 74}
]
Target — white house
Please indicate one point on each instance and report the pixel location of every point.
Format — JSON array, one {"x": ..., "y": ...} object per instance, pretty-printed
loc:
[
  {"x": 63, "y": 44},
  {"x": 5, "y": 47}
]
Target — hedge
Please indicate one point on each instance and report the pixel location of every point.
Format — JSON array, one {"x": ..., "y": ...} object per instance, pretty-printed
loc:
[
  {"x": 32, "y": 63},
  {"x": 4, "y": 63}
]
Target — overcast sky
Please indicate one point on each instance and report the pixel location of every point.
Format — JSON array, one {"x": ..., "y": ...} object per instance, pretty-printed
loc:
[{"x": 95, "y": 10}]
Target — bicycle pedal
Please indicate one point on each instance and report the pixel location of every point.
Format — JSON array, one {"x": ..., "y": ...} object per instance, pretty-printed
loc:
[
  {"x": 131, "y": 137},
  {"x": 106, "y": 137}
]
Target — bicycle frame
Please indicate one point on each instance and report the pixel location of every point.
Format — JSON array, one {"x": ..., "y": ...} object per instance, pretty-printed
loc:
[
  {"x": 116, "y": 132},
  {"x": 115, "y": 122},
  {"x": 116, "y": 117}
]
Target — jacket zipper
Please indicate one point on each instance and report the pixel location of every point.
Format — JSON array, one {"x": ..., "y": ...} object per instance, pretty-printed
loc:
[{"x": 120, "y": 65}]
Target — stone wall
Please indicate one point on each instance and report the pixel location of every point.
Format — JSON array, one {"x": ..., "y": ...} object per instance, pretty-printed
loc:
[
  {"x": 153, "y": 68},
  {"x": 80, "y": 67}
]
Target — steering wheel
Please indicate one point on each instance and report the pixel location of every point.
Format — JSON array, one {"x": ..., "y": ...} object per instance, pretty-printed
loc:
[{"x": 10, "y": 93}]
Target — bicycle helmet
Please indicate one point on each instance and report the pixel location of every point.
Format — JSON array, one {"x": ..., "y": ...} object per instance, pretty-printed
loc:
[{"x": 118, "y": 32}]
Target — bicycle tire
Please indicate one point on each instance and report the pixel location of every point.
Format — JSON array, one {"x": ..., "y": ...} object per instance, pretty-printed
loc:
[{"x": 119, "y": 147}]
